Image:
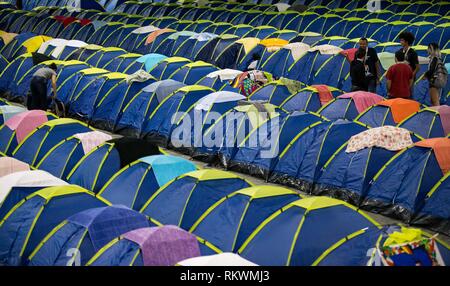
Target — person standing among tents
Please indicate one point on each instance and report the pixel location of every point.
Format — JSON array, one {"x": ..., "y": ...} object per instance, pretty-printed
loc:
[
  {"x": 406, "y": 40},
  {"x": 400, "y": 78},
  {"x": 358, "y": 72},
  {"x": 372, "y": 65},
  {"x": 437, "y": 74},
  {"x": 38, "y": 87}
]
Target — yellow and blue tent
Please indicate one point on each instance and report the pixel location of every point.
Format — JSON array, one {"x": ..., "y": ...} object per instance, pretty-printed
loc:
[
  {"x": 32, "y": 149},
  {"x": 434, "y": 213},
  {"x": 88, "y": 231},
  {"x": 231, "y": 220},
  {"x": 429, "y": 122},
  {"x": 133, "y": 185},
  {"x": 29, "y": 120},
  {"x": 399, "y": 189},
  {"x": 24, "y": 224},
  {"x": 183, "y": 200},
  {"x": 100, "y": 164},
  {"x": 299, "y": 233}
]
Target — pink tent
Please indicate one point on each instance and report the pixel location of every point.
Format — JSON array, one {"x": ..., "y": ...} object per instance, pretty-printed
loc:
[
  {"x": 444, "y": 112},
  {"x": 363, "y": 99},
  {"x": 24, "y": 123},
  {"x": 9, "y": 165}
]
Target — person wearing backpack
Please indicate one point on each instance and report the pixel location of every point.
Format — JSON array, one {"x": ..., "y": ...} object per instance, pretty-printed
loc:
[{"x": 437, "y": 74}]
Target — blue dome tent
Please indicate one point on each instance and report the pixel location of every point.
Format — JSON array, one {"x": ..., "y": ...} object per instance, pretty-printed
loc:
[{"x": 136, "y": 183}]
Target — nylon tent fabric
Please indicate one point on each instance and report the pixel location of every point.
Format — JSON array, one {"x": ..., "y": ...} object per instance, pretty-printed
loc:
[
  {"x": 350, "y": 105},
  {"x": 62, "y": 158},
  {"x": 230, "y": 221},
  {"x": 199, "y": 118},
  {"x": 429, "y": 122},
  {"x": 133, "y": 116},
  {"x": 191, "y": 73},
  {"x": 274, "y": 92},
  {"x": 308, "y": 99},
  {"x": 434, "y": 212},
  {"x": 27, "y": 223},
  {"x": 85, "y": 102},
  {"x": 100, "y": 58},
  {"x": 46, "y": 136},
  {"x": 389, "y": 112},
  {"x": 160, "y": 124},
  {"x": 21, "y": 89},
  {"x": 9, "y": 111},
  {"x": 348, "y": 174},
  {"x": 24, "y": 183},
  {"x": 17, "y": 128},
  {"x": 167, "y": 67},
  {"x": 126, "y": 63},
  {"x": 69, "y": 89},
  {"x": 90, "y": 229},
  {"x": 183, "y": 200},
  {"x": 10, "y": 165},
  {"x": 249, "y": 116},
  {"x": 297, "y": 243},
  {"x": 408, "y": 183},
  {"x": 156, "y": 246},
  {"x": 133, "y": 185},
  {"x": 108, "y": 110},
  {"x": 95, "y": 169},
  {"x": 13, "y": 72},
  {"x": 259, "y": 160}
]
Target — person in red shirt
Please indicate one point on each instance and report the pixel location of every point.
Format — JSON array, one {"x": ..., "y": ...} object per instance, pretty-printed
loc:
[{"x": 400, "y": 78}]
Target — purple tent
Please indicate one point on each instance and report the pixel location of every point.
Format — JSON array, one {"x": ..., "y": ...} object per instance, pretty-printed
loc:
[{"x": 150, "y": 246}]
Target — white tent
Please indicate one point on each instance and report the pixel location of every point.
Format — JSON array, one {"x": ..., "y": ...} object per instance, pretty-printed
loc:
[
  {"x": 145, "y": 30},
  {"x": 27, "y": 179},
  {"x": 225, "y": 74},
  {"x": 59, "y": 45},
  {"x": 217, "y": 97},
  {"x": 223, "y": 259}
]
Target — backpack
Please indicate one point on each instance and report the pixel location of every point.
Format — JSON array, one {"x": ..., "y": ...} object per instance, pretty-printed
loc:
[{"x": 440, "y": 75}]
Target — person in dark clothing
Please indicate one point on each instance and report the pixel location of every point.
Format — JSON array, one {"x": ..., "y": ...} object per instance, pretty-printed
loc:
[
  {"x": 372, "y": 65},
  {"x": 38, "y": 87},
  {"x": 435, "y": 57},
  {"x": 358, "y": 72},
  {"x": 406, "y": 40}
]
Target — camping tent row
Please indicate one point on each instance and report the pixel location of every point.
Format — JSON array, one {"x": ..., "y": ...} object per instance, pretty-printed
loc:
[
  {"x": 124, "y": 98},
  {"x": 110, "y": 101},
  {"x": 244, "y": 215},
  {"x": 327, "y": 25},
  {"x": 40, "y": 224},
  {"x": 241, "y": 16},
  {"x": 315, "y": 6},
  {"x": 42, "y": 148},
  {"x": 59, "y": 146},
  {"x": 275, "y": 56},
  {"x": 222, "y": 50},
  {"x": 264, "y": 5},
  {"x": 100, "y": 5}
]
